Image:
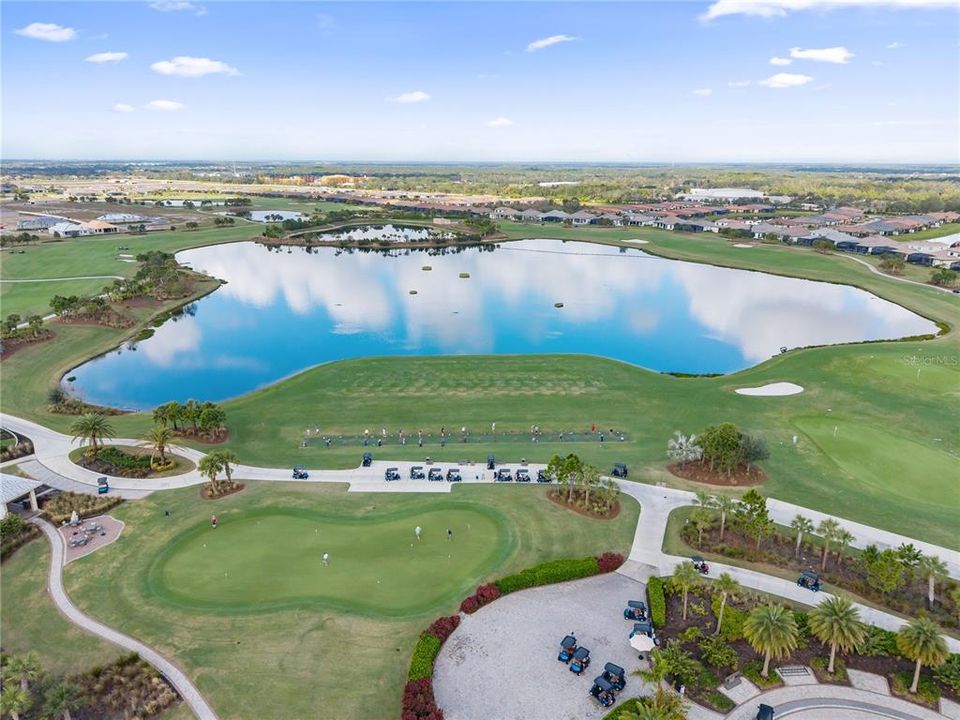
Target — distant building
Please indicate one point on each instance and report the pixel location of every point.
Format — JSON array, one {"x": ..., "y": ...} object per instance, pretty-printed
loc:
[
  {"x": 41, "y": 222},
  {"x": 99, "y": 227},
  {"x": 123, "y": 218},
  {"x": 67, "y": 229}
]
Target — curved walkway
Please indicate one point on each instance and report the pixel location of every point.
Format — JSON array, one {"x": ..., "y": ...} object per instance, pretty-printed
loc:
[
  {"x": 183, "y": 685},
  {"x": 832, "y": 701},
  {"x": 877, "y": 271}
]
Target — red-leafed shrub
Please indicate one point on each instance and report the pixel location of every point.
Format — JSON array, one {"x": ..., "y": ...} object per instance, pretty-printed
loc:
[
  {"x": 469, "y": 605},
  {"x": 443, "y": 627},
  {"x": 419, "y": 702},
  {"x": 486, "y": 594},
  {"x": 609, "y": 561}
]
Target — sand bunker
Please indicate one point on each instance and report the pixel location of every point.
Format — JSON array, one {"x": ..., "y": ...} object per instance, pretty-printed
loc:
[
  {"x": 639, "y": 242},
  {"x": 743, "y": 245},
  {"x": 772, "y": 390}
]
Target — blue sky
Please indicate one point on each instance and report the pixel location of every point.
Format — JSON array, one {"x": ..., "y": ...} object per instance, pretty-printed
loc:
[{"x": 867, "y": 80}]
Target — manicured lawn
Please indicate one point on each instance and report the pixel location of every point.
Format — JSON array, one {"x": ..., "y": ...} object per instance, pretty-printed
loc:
[
  {"x": 945, "y": 229},
  {"x": 33, "y": 298},
  {"x": 272, "y": 558},
  {"x": 292, "y": 662},
  {"x": 30, "y": 621},
  {"x": 876, "y": 385}
]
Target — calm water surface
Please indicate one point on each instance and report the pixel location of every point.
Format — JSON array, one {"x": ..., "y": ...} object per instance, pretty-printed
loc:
[{"x": 285, "y": 310}]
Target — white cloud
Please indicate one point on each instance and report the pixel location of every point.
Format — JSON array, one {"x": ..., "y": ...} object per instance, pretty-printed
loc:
[
  {"x": 836, "y": 55},
  {"x": 780, "y": 61},
  {"x": 107, "y": 57},
  {"x": 895, "y": 45},
  {"x": 785, "y": 80},
  {"x": 780, "y": 8},
  {"x": 122, "y": 108},
  {"x": 416, "y": 96},
  {"x": 500, "y": 122},
  {"x": 548, "y": 41},
  {"x": 703, "y": 92},
  {"x": 178, "y": 6},
  {"x": 165, "y": 105},
  {"x": 738, "y": 83},
  {"x": 186, "y": 66},
  {"x": 51, "y": 32}
]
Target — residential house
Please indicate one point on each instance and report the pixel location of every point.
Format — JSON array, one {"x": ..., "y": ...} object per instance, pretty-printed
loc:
[
  {"x": 505, "y": 213},
  {"x": 67, "y": 229},
  {"x": 99, "y": 227},
  {"x": 531, "y": 215},
  {"x": 554, "y": 216},
  {"x": 582, "y": 217}
]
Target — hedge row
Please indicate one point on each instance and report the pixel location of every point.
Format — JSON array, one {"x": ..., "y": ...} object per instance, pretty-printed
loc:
[
  {"x": 424, "y": 654},
  {"x": 485, "y": 595},
  {"x": 419, "y": 702},
  {"x": 658, "y": 602},
  {"x": 548, "y": 573}
]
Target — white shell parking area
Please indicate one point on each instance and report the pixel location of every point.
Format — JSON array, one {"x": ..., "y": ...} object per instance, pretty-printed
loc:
[
  {"x": 501, "y": 662},
  {"x": 772, "y": 390}
]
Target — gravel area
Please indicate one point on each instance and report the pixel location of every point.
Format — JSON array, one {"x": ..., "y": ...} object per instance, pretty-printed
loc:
[{"x": 502, "y": 660}]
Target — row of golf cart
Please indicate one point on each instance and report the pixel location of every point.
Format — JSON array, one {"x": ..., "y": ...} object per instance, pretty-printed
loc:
[
  {"x": 606, "y": 685},
  {"x": 417, "y": 472}
]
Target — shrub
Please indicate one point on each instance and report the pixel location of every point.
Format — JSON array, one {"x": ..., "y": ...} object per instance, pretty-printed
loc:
[
  {"x": 548, "y": 573},
  {"x": 469, "y": 605},
  {"x": 609, "y": 561},
  {"x": 926, "y": 688},
  {"x": 879, "y": 643},
  {"x": 733, "y": 620},
  {"x": 718, "y": 653},
  {"x": 421, "y": 663},
  {"x": 443, "y": 627},
  {"x": 949, "y": 673},
  {"x": 11, "y": 526},
  {"x": 419, "y": 702},
  {"x": 690, "y": 634},
  {"x": 720, "y": 702},
  {"x": 658, "y": 603},
  {"x": 124, "y": 460},
  {"x": 486, "y": 594}
]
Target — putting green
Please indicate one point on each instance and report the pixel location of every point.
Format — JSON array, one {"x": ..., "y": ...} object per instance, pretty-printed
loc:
[
  {"x": 885, "y": 462},
  {"x": 272, "y": 558}
]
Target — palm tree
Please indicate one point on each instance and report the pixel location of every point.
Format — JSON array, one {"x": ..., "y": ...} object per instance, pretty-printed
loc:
[
  {"x": 685, "y": 577},
  {"x": 702, "y": 519},
  {"x": 158, "y": 437},
  {"x": 704, "y": 499},
  {"x": 190, "y": 411},
  {"x": 667, "y": 703},
  {"x": 172, "y": 413},
  {"x": 836, "y": 622},
  {"x": 726, "y": 506},
  {"x": 61, "y": 699},
  {"x": 13, "y": 701},
  {"x": 726, "y": 586},
  {"x": 827, "y": 529},
  {"x": 25, "y": 669},
  {"x": 226, "y": 458},
  {"x": 802, "y": 525},
  {"x": 210, "y": 466},
  {"x": 935, "y": 570},
  {"x": 921, "y": 641},
  {"x": 92, "y": 428},
  {"x": 843, "y": 538},
  {"x": 589, "y": 478},
  {"x": 771, "y": 630},
  {"x": 160, "y": 416}
]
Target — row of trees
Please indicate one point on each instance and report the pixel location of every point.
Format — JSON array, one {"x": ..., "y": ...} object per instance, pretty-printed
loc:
[
  {"x": 772, "y": 630},
  {"x": 10, "y": 327},
  {"x": 723, "y": 448},
  {"x": 581, "y": 484},
  {"x": 192, "y": 417},
  {"x": 20, "y": 674}
]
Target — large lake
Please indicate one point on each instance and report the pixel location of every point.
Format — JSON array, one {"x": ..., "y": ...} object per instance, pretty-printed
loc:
[{"x": 283, "y": 310}]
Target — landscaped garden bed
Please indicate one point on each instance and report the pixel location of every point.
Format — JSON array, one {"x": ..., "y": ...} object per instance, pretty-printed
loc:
[
  {"x": 130, "y": 462},
  {"x": 15, "y": 532},
  {"x": 895, "y": 579},
  {"x": 60, "y": 508}
]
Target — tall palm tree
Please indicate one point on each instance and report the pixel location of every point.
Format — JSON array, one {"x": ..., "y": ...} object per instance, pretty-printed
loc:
[
  {"x": 589, "y": 478},
  {"x": 726, "y": 586},
  {"x": 92, "y": 428},
  {"x": 160, "y": 416},
  {"x": 24, "y": 669},
  {"x": 725, "y": 505},
  {"x": 922, "y": 642},
  {"x": 704, "y": 499},
  {"x": 61, "y": 699},
  {"x": 209, "y": 466},
  {"x": 173, "y": 413},
  {"x": 802, "y": 525},
  {"x": 772, "y": 631},
  {"x": 13, "y": 701},
  {"x": 836, "y": 622},
  {"x": 843, "y": 539},
  {"x": 669, "y": 704},
  {"x": 158, "y": 437},
  {"x": 702, "y": 518},
  {"x": 827, "y": 529},
  {"x": 935, "y": 570},
  {"x": 685, "y": 577},
  {"x": 226, "y": 458}
]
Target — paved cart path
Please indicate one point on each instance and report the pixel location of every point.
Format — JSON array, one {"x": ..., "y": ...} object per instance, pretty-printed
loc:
[{"x": 183, "y": 685}]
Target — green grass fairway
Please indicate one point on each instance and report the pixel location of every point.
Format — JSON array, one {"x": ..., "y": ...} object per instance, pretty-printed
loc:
[
  {"x": 312, "y": 660},
  {"x": 885, "y": 462},
  {"x": 270, "y": 559}
]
